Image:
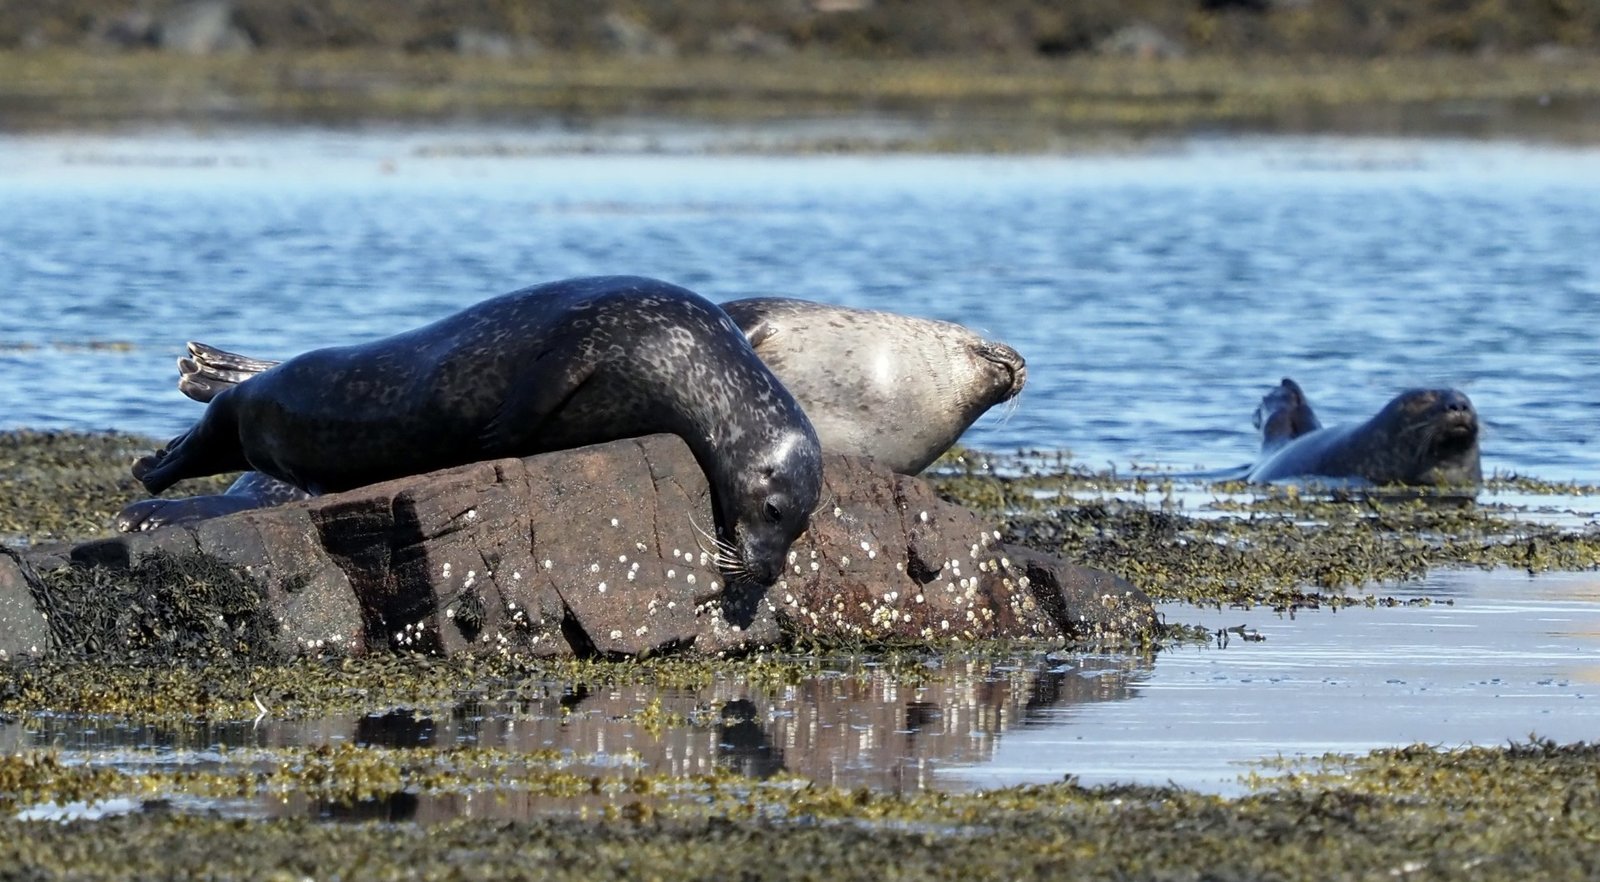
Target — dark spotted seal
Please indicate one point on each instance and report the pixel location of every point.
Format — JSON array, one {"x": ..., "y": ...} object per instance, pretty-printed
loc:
[
  {"x": 549, "y": 367},
  {"x": 892, "y": 387},
  {"x": 1423, "y": 437}
]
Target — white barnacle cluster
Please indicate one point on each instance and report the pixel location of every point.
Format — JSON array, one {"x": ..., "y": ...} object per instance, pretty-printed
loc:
[
  {"x": 517, "y": 616},
  {"x": 307, "y": 644},
  {"x": 884, "y": 615},
  {"x": 409, "y": 635}
]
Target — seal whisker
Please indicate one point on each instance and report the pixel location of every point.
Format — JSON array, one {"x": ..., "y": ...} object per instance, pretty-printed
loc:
[
  {"x": 1013, "y": 404},
  {"x": 825, "y": 503},
  {"x": 721, "y": 546},
  {"x": 724, "y": 556}
]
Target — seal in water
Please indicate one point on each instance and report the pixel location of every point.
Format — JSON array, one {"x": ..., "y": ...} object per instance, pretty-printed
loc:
[
  {"x": 550, "y": 367},
  {"x": 892, "y": 387},
  {"x": 1423, "y": 437}
]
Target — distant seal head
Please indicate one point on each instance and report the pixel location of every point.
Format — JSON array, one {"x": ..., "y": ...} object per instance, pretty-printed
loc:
[
  {"x": 896, "y": 388},
  {"x": 550, "y": 367},
  {"x": 893, "y": 387},
  {"x": 1423, "y": 437}
]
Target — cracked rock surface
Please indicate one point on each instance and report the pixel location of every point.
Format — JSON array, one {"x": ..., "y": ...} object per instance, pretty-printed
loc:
[{"x": 594, "y": 552}]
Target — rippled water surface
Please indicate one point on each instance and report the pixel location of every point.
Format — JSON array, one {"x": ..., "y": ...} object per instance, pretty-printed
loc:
[{"x": 1156, "y": 296}]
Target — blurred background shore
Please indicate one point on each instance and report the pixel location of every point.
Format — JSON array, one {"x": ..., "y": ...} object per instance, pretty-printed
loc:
[{"x": 1007, "y": 75}]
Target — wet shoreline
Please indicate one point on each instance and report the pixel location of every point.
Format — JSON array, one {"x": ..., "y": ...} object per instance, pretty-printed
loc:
[{"x": 480, "y": 753}]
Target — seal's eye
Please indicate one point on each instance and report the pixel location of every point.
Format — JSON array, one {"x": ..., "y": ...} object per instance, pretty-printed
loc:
[{"x": 774, "y": 514}]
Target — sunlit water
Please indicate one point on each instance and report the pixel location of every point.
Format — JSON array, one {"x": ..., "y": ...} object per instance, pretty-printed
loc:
[
  {"x": 1495, "y": 658},
  {"x": 1156, "y": 296}
]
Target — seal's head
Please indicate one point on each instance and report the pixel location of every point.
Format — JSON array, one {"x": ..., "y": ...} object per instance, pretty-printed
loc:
[
  {"x": 1439, "y": 429},
  {"x": 1003, "y": 369},
  {"x": 769, "y": 505},
  {"x": 1284, "y": 415}
]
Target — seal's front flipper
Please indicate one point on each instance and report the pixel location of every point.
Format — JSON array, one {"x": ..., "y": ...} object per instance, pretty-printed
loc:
[
  {"x": 149, "y": 514},
  {"x": 750, "y": 316},
  {"x": 537, "y": 393},
  {"x": 760, "y": 333}
]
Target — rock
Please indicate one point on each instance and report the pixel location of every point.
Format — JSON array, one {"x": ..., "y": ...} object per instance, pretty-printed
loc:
[
  {"x": 24, "y": 630},
  {"x": 134, "y": 29},
  {"x": 748, "y": 41},
  {"x": 1140, "y": 40},
  {"x": 205, "y": 27},
  {"x": 598, "y": 552},
  {"x": 479, "y": 43},
  {"x": 633, "y": 38}
]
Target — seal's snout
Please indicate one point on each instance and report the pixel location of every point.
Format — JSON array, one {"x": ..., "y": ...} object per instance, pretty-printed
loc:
[
  {"x": 1458, "y": 410},
  {"x": 1011, "y": 361},
  {"x": 1458, "y": 421}
]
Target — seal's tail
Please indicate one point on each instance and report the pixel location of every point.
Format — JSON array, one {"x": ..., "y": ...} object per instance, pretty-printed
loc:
[{"x": 208, "y": 370}]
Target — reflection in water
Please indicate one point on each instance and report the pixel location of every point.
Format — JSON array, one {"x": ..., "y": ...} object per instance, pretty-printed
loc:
[
  {"x": 742, "y": 743},
  {"x": 858, "y": 729},
  {"x": 397, "y": 728},
  {"x": 1508, "y": 656}
]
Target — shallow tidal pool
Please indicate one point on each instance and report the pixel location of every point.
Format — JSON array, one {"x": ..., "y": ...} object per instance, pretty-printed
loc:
[{"x": 1463, "y": 657}]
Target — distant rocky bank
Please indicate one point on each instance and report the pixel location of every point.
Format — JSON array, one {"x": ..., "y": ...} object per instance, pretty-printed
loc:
[
  {"x": 910, "y": 75},
  {"x": 851, "y": 28}
]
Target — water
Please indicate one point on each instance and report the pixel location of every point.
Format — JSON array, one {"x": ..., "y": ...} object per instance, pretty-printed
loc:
[
  {"x": 1495, "y": 658},
  {"x": 1156, "y": 296}
]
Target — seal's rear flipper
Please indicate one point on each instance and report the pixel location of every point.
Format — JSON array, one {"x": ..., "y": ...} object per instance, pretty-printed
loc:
[
  {"x": 1284, "y": 414},
  {"x": 223, "y": 360},
  {"x": 210, "y": 447},
  {"x": 209, "y": 370}
]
